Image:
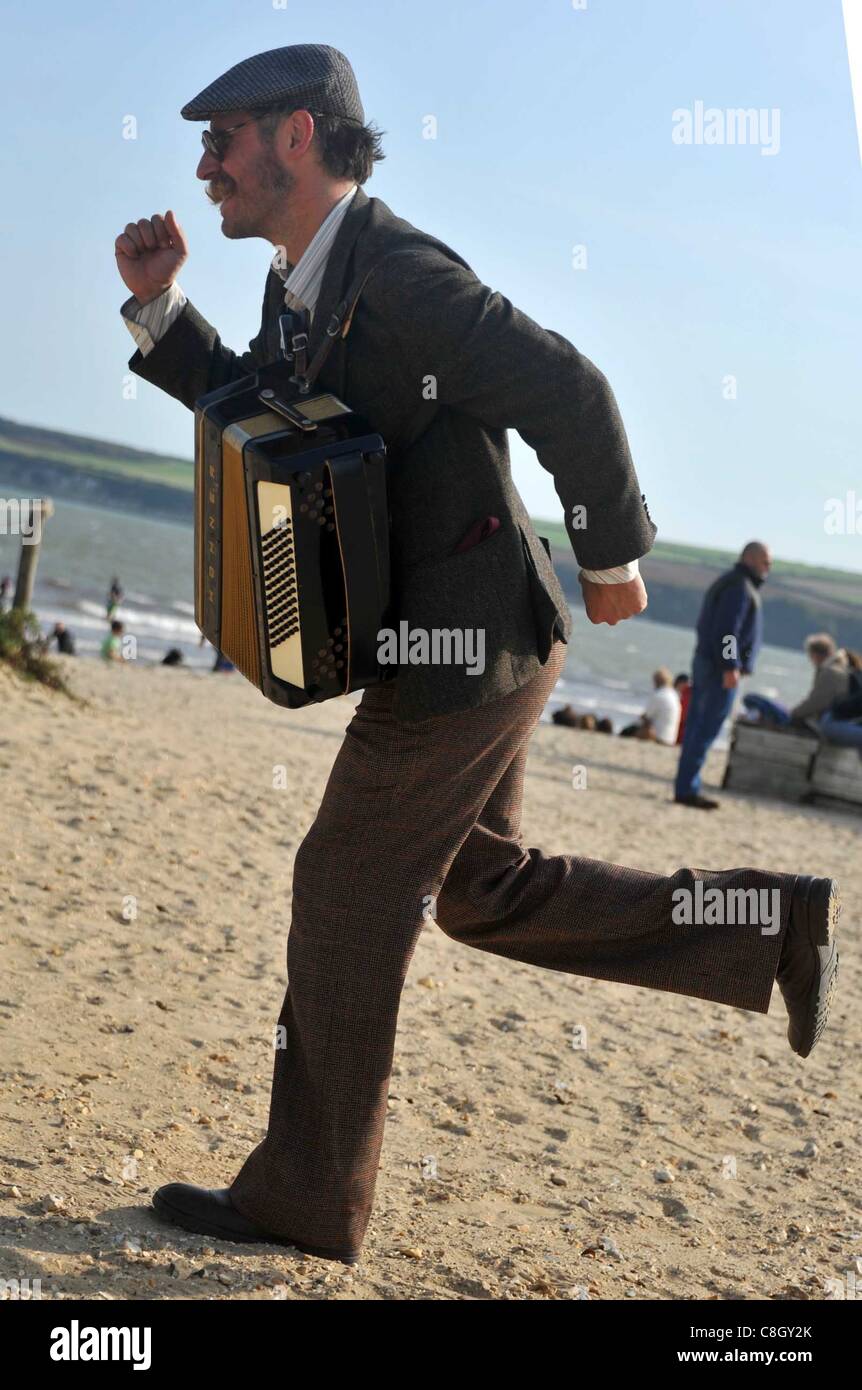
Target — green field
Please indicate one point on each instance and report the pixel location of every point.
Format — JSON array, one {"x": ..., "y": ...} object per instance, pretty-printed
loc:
[
  {"x": 677, "y": 552},
  {"x": 155, "y": 468}
]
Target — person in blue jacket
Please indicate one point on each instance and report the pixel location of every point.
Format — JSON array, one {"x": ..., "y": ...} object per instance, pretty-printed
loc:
[{"x": 729, "y": 635}]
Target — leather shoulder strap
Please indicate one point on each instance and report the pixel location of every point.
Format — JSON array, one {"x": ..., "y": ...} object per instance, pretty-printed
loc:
[{"x": 342, "y": 318}]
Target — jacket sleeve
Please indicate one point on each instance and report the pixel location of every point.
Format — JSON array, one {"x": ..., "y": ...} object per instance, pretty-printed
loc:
[
  {"x": 191, "y": 358},
  {"x": 728, "y": 620},
  {"x": 816, "y": 701},
  {"x": 829, "y": 685},
  {"x": 483, "y": 357}
]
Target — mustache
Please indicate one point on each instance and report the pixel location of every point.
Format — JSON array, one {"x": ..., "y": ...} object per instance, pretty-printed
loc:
[{"x": 220, "y": 188}]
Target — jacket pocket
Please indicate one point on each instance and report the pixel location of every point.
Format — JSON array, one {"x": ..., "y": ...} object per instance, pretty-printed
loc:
[
  {"x": 442, "y": 559},
  {"x": 546, "y": 615}
]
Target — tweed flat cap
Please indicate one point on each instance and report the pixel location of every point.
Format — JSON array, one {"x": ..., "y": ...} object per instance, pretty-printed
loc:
[{"x": 311, "y": 74}]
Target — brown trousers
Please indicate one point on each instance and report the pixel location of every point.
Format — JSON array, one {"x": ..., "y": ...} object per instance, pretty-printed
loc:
[{"x": 432, "y": 809}]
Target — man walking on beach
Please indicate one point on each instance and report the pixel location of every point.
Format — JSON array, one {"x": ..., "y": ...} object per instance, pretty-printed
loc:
[
  {"x": 423, "y": 804},
  {"x": 729, "y": 634}
]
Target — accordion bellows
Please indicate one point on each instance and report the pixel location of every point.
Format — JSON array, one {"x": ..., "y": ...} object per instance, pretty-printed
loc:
[{"x": 291, "y": 538}]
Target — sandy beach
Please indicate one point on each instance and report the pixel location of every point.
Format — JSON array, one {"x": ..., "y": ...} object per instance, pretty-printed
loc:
[{"x": 683, "y": 1153}]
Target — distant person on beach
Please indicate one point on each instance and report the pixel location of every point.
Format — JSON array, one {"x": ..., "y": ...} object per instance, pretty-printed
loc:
[
  {"x": 682, "y": 686},
  {"x": 729, "y": 635},
  {"x": 112, "y": 647},
  {"x": 173, "y": 657},
  {"x": 423, "y": 803},
  {"x": 842, "y": 722},
  {"x": 114, "y": 599},
  {"x": 659, "y": 722},
  {"x": 570, "y": 719},
  {"x": 221, "y": 663},
  {"x": 64, "y": 639},
  {"x": 831, "y": 682}
]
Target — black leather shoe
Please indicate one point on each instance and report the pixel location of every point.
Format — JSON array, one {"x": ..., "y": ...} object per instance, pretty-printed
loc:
[
  {"x": 210, "y": 1212},
  {"x": 808, "y": 965},
  {"x": 701, "y": 803}
]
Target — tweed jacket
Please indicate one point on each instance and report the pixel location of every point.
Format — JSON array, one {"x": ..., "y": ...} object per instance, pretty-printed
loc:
[{"x": 442, "y": 366}]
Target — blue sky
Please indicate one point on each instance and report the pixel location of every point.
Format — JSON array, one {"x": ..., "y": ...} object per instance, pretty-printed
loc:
[{"x": 554, "y": 130}]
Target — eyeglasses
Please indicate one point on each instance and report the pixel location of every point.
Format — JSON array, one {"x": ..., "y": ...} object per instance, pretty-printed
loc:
[{"x": 216, "y": 142}]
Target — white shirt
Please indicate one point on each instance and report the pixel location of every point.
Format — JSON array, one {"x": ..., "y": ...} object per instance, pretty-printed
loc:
[
  {"x": 663, "y": 713},
  {"x": 147, "y": 323}
]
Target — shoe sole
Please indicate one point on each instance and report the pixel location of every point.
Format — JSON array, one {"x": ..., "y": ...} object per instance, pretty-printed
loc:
[
  {"x": 177, "y": 1217},
  {"x": 823, "y": 911}
]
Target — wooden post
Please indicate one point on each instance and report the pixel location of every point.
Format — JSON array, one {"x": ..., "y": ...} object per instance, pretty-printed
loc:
[{"x": 33, "y": 515}]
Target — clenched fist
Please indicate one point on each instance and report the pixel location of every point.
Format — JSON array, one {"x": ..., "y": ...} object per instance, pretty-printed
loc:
[
  {"x": 610, "y": 603},
  {"x": 150, "y": 254}
]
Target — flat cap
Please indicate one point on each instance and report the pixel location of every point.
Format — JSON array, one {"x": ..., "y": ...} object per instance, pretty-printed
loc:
[{"x": 313, "y": 75}]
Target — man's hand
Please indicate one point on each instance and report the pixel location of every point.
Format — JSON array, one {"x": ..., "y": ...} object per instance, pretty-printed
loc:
[
  {"x": 730, "y": 679},
  {"x": 150, "y": 254},
  {"x": 610, "y": 603}
]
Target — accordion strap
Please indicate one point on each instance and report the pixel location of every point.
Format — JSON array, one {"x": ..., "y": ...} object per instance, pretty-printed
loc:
[
  {"x": 339, "y": 324},
  {"x": 365, "y": 560}
]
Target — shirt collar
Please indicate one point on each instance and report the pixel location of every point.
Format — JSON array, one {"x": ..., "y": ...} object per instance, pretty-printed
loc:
[
  {"x": 304, "y": 280},
  {"x": 757, "y": 580}
]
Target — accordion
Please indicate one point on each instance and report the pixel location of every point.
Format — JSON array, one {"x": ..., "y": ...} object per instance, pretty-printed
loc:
[{"x": 291, "y": 537}]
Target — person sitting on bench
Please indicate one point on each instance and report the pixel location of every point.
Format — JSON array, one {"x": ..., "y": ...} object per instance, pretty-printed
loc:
[
  {"x": 842, "y": 722},
  {"x": 831, "y": 681}
]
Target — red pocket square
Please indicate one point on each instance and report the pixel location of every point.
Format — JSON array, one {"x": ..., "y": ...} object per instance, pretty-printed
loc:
[{"x": 479, "y": 531}]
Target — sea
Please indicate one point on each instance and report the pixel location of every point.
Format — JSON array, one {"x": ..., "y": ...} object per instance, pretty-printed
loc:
[{"x": 607, "y": 670}]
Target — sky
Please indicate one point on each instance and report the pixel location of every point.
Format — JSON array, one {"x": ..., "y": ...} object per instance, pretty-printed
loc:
[{"x": 718, "y": 284}]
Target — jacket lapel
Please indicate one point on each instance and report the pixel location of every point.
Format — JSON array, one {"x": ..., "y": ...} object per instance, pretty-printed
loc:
[{"x": 333, "y": 288}]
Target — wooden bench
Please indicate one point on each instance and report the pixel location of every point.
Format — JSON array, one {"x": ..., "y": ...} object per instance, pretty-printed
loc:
[
  {"x": 836, "y": 775},
  {"x": 793, "y": 766}
]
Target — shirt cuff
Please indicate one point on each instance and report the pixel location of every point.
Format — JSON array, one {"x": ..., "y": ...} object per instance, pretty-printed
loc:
[
  {"x": 147, "y": 323},
  {"x": 620, "y": 574}
]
